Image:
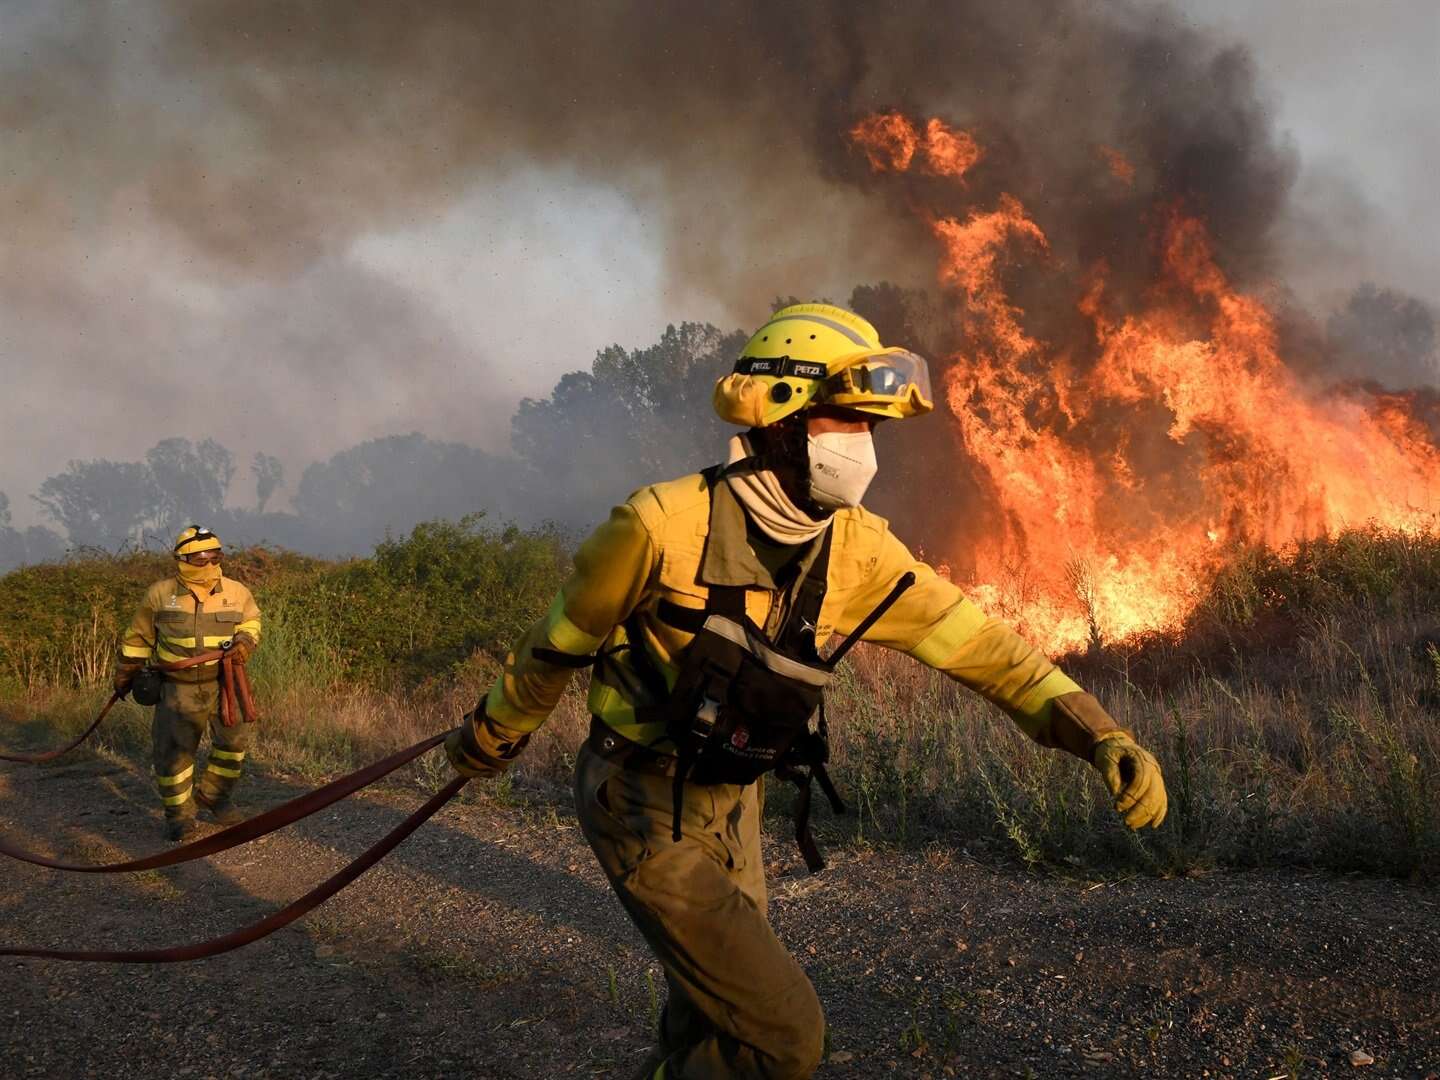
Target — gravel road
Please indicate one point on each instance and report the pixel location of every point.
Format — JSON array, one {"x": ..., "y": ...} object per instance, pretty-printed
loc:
[{"x": 488, "y": 945}]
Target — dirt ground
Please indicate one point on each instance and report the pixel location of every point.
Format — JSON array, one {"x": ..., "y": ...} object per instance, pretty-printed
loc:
[{"x": 488, "y": 945}]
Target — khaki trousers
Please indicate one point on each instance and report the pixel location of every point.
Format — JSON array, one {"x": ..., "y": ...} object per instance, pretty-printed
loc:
[
  {"x": 739, "y": 1004},
  {"x": 184, "y": 712}
]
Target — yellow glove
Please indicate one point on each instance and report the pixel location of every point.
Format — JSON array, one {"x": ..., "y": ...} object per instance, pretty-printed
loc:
[
  {"x": 481, "y": 747},
  {"x": 1133, "y": 776}
]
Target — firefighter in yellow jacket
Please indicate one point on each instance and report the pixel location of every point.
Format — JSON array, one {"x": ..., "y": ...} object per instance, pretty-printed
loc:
[
  {"x": 196, "y": 610},
  {"x": 701, "y": 604}
]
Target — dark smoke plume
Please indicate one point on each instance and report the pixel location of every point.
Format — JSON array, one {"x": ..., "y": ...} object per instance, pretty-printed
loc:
[
  {"x": 270, "y": 135},
  {"x": 294, "y": 127}
]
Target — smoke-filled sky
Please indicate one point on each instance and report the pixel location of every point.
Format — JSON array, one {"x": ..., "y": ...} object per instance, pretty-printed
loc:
[{"x": 294, "y": 226}]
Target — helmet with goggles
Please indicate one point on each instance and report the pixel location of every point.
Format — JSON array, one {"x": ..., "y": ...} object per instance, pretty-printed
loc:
[
  {"x": 814, "y": 354},
  {"x": 196, "y": 540}
]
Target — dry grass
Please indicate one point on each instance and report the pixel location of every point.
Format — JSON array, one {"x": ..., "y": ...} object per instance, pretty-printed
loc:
[{"x": 1296, "y": 722}]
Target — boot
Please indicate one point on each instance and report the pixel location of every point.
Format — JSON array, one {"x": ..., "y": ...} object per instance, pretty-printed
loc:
[
  {"x": 222, "y": 811},
  {"x": 178, "y": 828}
]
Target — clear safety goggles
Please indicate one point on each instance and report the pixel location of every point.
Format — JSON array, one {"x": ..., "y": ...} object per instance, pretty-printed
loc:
[
  {"x": 897, "y": 376},
  {"x": 202, "y": 558}
]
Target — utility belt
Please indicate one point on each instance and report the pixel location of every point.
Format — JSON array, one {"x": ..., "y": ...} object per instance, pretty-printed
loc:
[
  {"x": 236, "y": 698},
  {"x": 607, "y": 743},
  {"x": 196, "y": 676}
]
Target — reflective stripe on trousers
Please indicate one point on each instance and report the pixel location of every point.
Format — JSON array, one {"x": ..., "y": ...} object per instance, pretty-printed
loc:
[{"x": 185, "y": 711}]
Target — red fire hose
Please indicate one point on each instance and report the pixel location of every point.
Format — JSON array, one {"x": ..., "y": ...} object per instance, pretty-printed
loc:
[
  {"x": 51, "y": 755},
  {"x": 236, "y": 699},
  {"x": 268, "y": 925},
  {"x": 261, "y": 825},
  {"x": 285, "y": 814}
]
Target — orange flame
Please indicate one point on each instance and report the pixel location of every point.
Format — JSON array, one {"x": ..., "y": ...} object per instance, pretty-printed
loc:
[
  {"x": 890, "y": 142},
  {"x": 1127, "y": 467},
  {"x": 1118, "y": 164}
]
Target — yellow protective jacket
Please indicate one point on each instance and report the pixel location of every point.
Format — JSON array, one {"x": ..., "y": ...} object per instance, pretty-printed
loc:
[
  {"x": 660, "y": 545},
  {"x": 173, "y": 623}
]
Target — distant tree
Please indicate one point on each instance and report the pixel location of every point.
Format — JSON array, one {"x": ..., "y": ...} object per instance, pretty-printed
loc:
[
  {"x": 1389, "y": 336},
  {"x": 390, "y": 485},
  {"x": 636, "y": 416},
  {"x": 269, "y": 475},
  {"x": 100, "y": 503},
  {"x": 908, "y": 317},
  {"x": 12, "y": 544},
  {"x": 189, "y": 482}
]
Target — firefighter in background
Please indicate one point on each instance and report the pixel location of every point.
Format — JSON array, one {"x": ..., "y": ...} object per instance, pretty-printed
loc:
[
  {"x": 195, "y": 611},
  {"x": 701, "y": 603}
]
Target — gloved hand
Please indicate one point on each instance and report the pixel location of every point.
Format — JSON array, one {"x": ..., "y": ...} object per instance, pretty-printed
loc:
[
  {"x": 481, "y": 747},
  {"x": 242, "y": 647},
  {"x": 125, "y": 675},
  {"x": 1133, "y": 776}
]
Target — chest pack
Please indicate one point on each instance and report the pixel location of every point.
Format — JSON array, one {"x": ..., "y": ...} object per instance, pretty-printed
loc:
[{"x": 743, "y": 702}]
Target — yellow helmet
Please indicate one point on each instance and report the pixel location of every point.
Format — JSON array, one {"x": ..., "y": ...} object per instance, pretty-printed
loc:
[
  {"x": 812, "y": 354},
  {"x": 195, "y": 538}
]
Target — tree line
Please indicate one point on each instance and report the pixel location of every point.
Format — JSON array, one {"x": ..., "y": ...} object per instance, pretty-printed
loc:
[{"x": 636, "y": 415}]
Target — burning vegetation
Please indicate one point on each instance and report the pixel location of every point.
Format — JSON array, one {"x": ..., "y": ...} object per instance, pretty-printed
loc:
[{"x": 1129, "y": 456}]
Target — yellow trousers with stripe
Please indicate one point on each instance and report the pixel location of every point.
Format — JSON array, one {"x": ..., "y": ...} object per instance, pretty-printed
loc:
[{"x": 184, "y": 712}]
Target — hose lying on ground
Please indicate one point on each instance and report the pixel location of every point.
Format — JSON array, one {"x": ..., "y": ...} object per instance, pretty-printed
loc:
[
  {"x": 268, "y": 925},
  {"x": 51, "y": 755},
  {"x": 236, "y": 699},
  {"x": 285, "y": 814}
]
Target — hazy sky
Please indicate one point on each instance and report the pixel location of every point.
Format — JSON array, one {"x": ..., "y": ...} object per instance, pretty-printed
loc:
[
  {"x": 117, "y": 328},
  {"x": 1358, "y": 89}
]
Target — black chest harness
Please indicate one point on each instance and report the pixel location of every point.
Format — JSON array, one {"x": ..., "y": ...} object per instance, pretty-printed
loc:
[{"x": 743, "y": 702}]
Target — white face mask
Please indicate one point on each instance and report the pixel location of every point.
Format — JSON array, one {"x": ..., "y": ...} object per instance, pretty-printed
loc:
[{"x": 842, "y": 464}]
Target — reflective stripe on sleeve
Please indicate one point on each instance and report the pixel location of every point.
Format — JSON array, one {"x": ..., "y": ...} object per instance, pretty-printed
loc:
[
  {"x": 941, "y": 644},
  {"x": 499, "y": 709},
  {"x": 1046, "y": 691},
  {"x": 135, "y": 652},
  {"x": 251, "y": 627},
  {"x": 565, "y": 635}
]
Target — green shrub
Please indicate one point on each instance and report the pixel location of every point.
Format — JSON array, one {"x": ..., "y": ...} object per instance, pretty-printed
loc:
[
  {"x": 1295, "y": 717},
  {"x": 414, "y": 610},
  {"x": 422, "y": 605}
]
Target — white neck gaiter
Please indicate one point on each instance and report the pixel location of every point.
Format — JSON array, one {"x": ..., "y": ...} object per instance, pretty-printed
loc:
[{"x": 765, "y": 501}]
